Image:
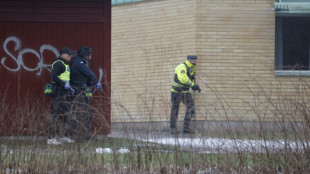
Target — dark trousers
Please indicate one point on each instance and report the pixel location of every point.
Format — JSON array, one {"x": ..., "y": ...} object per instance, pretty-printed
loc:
[
  {"x": 176, "y": 99},
  {"x": 82, "y": 113},
  {"x": 60, "y": 105}
]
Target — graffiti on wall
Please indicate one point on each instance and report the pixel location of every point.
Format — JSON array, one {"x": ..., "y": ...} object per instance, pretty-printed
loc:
[{"x": 19, "y": 60}]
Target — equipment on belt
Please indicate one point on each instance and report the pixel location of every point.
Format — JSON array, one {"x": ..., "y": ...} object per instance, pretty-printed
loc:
[
  {"x": 50, "y": 89},
  {"x": 88, "y": 92}
]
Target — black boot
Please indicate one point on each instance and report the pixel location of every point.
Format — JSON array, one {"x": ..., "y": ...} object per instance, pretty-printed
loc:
[{"x": 187, "y": 129}]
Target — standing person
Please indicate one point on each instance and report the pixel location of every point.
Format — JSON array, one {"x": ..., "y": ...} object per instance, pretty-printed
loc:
[
  {"x": 82, "y": 77},
  {"x": 60, "y": 76},
  {"x": 184, "y": 78}
]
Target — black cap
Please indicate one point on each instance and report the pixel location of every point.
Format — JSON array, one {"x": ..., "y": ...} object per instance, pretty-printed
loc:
[
  {"x": 191, "y": 57},
  {"x": 66, "y": 50},
  {"x": 85, "y": 51}
]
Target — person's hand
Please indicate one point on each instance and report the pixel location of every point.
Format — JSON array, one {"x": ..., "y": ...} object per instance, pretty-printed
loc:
[
  {"x": 196, "y": 87},
  {"x": 72, "y": 91},
  {"x": 67, "y": 86},
  {"x": 98, "y": 86}
]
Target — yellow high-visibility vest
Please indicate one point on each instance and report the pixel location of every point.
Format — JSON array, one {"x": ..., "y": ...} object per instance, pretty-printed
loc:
[
  {"x": 65, "y": 76},
  {"x": 184, "y": 77}
]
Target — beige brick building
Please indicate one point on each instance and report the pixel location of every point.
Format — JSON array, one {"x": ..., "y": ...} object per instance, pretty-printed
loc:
[{"x": 235, "y": 44}]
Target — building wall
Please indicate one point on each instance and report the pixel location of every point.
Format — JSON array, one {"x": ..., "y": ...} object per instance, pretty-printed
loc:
[
  {"x": 149, "y": 39},
  {"x": 31, "y": 34},
  {"x": 234, "y": 41}
]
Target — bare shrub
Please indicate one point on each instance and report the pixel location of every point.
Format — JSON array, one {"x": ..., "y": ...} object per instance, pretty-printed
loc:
[{"x": 280, "y": 144}]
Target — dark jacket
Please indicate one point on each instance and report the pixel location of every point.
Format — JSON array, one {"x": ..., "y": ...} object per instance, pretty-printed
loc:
[
  {"x": 80, "y": 74},
  {"x": 57, "y": 69}
]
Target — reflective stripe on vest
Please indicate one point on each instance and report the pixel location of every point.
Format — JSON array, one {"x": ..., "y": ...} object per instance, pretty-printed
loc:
[{"x": 65, "y": 76}]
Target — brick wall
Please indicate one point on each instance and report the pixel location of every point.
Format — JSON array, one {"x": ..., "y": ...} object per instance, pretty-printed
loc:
[
  {"x": 234, "y": 40},
  {"x": 149, "y": 39}
]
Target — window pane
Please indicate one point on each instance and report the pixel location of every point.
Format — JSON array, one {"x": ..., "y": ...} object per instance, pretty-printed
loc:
[{"x": 295, "y": 38}]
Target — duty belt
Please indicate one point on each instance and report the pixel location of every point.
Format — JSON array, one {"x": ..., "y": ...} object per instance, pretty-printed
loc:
[{"x": 180, "y": 88}]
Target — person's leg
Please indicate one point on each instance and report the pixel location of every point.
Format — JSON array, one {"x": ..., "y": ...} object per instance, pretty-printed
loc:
[
  {"x": 66, "y": 124},
  {"x": 175, "y": 101},
  {"x": 190, "y": 112},
  {"x": 65, "y": 109},
  {"x": 89, "y": 117},
  {"x": 79, "y": 112},
  {"x": 75, "y": 112},
  {"x": 52, "y": 123},
  {"x": 54, "y": 114},
  {"x": 53, "y": 120}
]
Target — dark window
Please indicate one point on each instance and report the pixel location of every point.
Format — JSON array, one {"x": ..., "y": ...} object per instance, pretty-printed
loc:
[{"x": 292, "y": 43}]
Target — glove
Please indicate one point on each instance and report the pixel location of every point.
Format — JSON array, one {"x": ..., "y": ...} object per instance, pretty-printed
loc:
[
  {"x": 72, "y": 91},
  {"x": 67, "y": 86},
  {"x": 196, "y": 87},
  {"x": 98, "y": 86}
]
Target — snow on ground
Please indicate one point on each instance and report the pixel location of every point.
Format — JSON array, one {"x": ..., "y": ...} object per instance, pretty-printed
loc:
[
  {"x": 214, "y": 145},
  {"x": 103, "y": 150},
  {"x": 109, "y": 150}
]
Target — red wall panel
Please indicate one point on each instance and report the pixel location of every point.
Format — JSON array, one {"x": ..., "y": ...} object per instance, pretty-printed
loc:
[
  {"x": 55, "y": 11},
  {"x": 31, "y": 33},
  {"x": 28, "y": 50}
]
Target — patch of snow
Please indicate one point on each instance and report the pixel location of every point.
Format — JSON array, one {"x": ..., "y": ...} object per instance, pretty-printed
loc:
[
  {"x": 104, "y": 150},
  {"x": 123, "y": 151},
  {"x": 208, "y": 145},
  {"x": 216, "y": 145},
  {"x": 109, "y": 150}
]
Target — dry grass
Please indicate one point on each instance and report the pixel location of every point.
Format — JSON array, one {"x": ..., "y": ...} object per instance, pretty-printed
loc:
[{"x": 35, "y": 156}]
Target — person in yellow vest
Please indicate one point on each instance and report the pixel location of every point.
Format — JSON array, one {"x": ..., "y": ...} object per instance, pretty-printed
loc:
[
  {"x": 60, "y": 76},
  {"x": 184, "y": 78}
]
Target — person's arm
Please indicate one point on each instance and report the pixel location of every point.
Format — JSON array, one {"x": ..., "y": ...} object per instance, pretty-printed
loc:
[
  {"x": 87, "y": 72},
  {"x": 181, "y": 72},
  {"x": 58, "y": 68}
]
